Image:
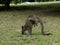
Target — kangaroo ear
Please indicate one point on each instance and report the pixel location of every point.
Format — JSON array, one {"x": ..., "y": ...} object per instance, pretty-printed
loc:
[{"x": 22, "y": 27}]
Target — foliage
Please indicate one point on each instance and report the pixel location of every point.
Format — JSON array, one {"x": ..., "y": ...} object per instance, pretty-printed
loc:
[
  {"x": 2, "y": 1},
  {"x": 20, "y": 1},
  {"x": 17, "y": 1}
]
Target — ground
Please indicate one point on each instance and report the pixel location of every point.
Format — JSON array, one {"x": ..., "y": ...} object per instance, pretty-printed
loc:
[{"x": 11, "y": 22}]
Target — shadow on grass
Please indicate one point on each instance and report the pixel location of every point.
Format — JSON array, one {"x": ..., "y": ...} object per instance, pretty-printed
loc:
[
  {"x": 47, "y": 10},
  {"x": 2, "y": 8}
]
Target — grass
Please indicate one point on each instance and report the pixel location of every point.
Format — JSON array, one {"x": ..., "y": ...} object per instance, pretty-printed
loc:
[
  {"x": 11, "y": 22},
  {"x": 38, "y": 4}
]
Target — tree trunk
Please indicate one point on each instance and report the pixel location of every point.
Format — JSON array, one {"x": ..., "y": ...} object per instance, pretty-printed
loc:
[{"x": 7, "y": 4}]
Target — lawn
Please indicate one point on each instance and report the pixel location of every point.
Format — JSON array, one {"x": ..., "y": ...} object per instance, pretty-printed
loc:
[
  {"x": 55, "y": 4},
  {"x": 11, "y": 22}
]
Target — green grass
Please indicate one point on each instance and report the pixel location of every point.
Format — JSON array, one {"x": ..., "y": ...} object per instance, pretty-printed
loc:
[
  {"x": 38, "y": 4},
  {"x": 55, "y": 5},
  {"x": 10, "y": 28}
]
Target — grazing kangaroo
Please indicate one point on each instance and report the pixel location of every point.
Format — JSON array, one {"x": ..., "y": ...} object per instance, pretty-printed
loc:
[{"x": 31, "y": 21}]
